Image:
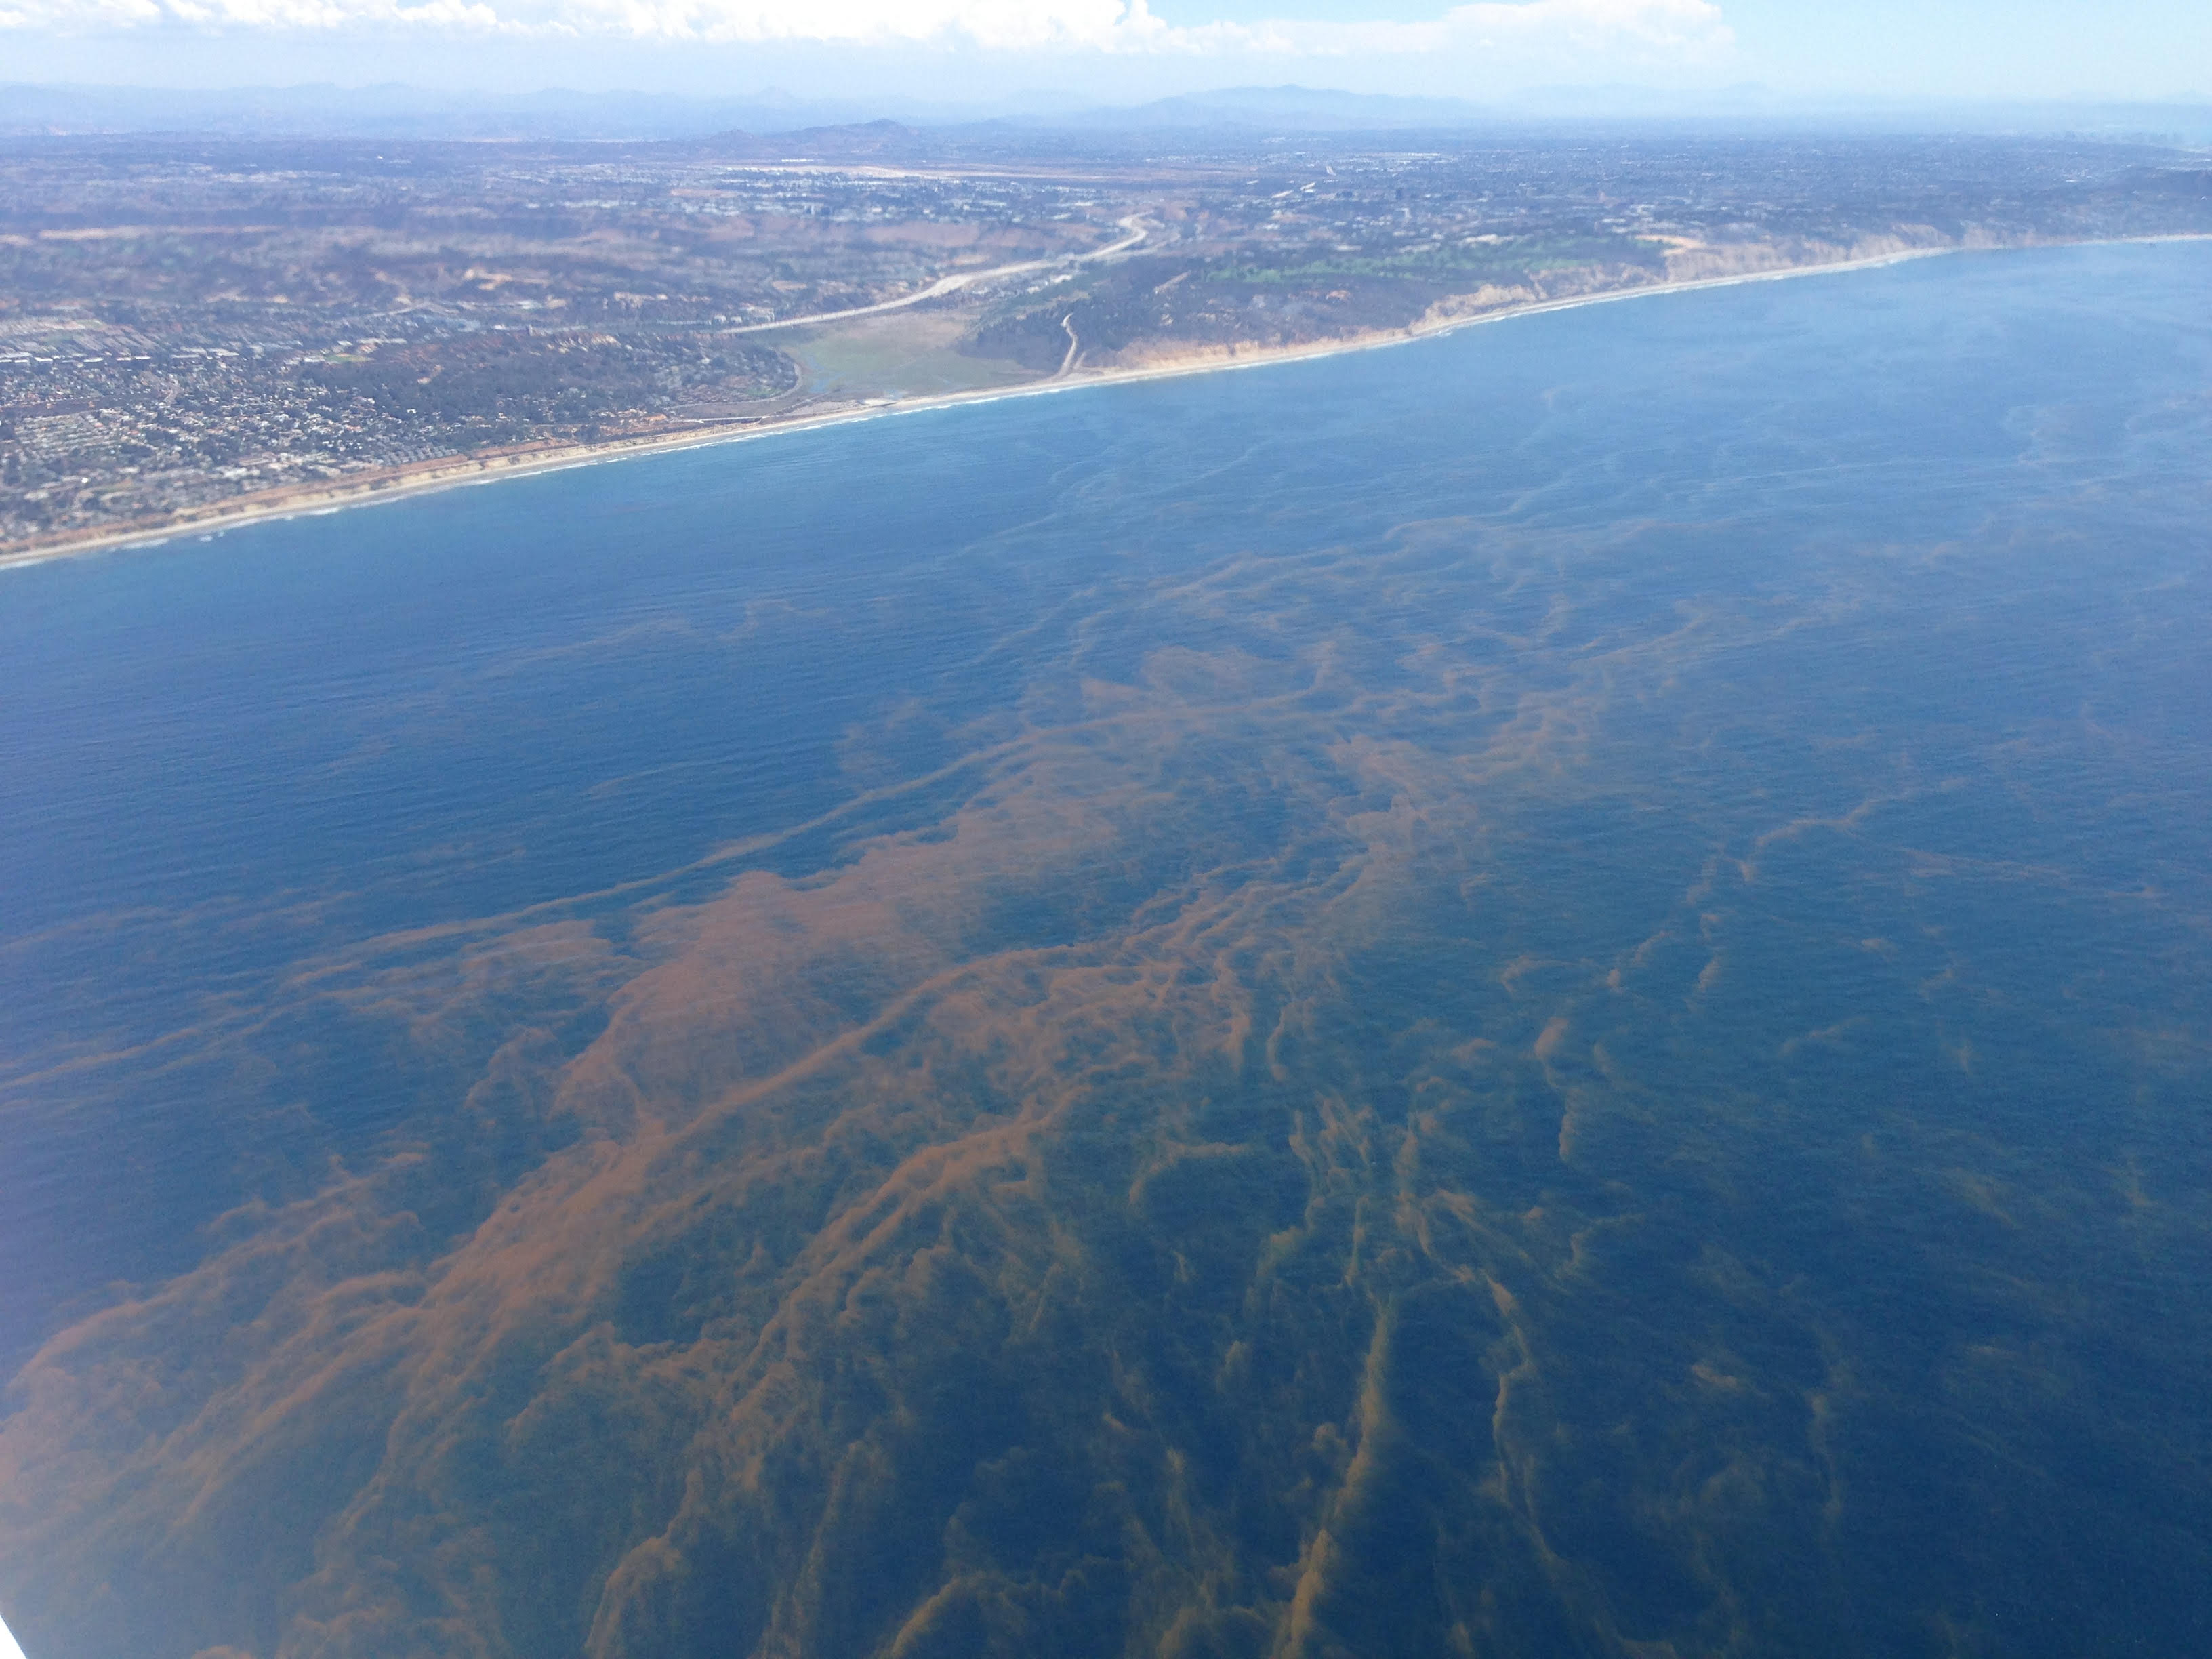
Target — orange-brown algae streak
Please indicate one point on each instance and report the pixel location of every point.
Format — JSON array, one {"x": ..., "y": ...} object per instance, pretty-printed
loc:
[{"x": 1010, "y": 1179}]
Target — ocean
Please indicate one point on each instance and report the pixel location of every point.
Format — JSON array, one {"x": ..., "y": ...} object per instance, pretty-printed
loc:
[{"x": 1547, "y": 992}]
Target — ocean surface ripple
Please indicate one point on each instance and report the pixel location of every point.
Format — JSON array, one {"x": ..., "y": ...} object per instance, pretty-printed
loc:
[{"x": 1542, "y": 994}]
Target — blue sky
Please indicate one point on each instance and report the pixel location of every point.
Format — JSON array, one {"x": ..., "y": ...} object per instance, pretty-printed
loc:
[{"x": 982, "y": 52}]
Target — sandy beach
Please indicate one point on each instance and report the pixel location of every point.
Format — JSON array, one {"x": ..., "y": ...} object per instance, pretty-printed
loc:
[{"x": 449, "y": 474}]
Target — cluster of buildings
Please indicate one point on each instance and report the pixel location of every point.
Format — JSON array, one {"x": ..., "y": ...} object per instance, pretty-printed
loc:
[{"x": 182, "y": 322}]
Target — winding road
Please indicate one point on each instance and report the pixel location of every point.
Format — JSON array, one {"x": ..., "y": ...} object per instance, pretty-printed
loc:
[{"x": 1135, "y": 225}]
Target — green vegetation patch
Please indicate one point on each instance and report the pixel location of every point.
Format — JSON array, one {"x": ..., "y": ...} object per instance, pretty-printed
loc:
[{"x": 1501, "y": 260}]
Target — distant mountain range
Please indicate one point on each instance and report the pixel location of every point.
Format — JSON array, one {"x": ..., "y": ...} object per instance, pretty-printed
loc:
[
  {"x": 1301, "y": 109},
  {"x": 396, "y": 110},
  {"x": 401, "y": 112}
]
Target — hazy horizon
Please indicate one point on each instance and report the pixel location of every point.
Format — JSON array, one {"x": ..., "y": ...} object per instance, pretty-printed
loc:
[
  {"x": 1000, "y": 55},
  {"x": 396, "y": 109}
]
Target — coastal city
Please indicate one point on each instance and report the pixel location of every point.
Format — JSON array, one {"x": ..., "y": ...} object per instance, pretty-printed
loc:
[{"x": 190, "y": 331}]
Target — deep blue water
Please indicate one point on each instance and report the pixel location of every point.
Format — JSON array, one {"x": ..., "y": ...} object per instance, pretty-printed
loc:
[{"x": 1794, "y": 699}]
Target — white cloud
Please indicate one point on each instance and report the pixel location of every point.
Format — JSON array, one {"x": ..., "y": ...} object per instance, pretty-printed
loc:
[
  {"x": 1000, "y": 24},
  {"x": 1681, "y": 30}
]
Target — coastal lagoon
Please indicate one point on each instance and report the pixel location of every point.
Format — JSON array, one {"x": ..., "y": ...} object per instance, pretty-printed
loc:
[{"x": 1540, "y": 994}]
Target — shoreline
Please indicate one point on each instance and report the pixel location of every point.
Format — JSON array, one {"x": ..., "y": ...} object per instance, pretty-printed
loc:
[{"x": 322, "y": 499}]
